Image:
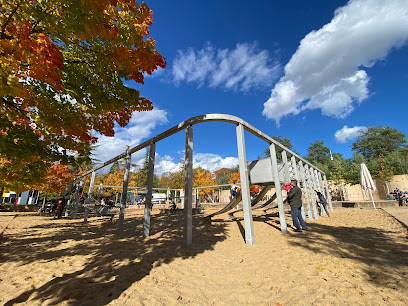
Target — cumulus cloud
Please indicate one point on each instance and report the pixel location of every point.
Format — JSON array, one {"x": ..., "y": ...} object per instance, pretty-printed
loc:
[
  {"x": 327, "y": 70},
  {"x": 207, "y": 161},
  {"x": 140, "y": 127},
  {"x": 212, "y": 162},
  {"x": 242, "y": 68},
  {"x": 346, "y": 133},
  {"x": 164, "y": 165}
]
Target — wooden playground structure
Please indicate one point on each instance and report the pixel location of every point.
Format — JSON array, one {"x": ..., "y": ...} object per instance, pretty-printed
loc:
[{"x": 268, "y": 173}]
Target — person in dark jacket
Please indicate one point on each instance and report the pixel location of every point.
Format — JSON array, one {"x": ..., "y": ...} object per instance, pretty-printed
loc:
[
  {"x": 322, "y": 201},
  {"x": 295, "y": 201},
  {"x": 62, "y": 203}
]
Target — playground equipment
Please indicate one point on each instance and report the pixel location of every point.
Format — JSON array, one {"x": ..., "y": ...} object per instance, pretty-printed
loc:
[{"x": 262, "y": 172}]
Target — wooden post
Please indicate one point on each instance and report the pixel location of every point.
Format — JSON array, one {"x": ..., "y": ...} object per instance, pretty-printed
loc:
[
  {"x": 313, "y": 195},
  {"x": 182, "y": 198},
  {"x": 319, "y": 187},
  {"x": 278, "y": 188},
  {"x": 188, "y": 190},
  {"x": 89, "y": 198},
  {"x": 148, "y": 201},
  {"x": 124, "y": 192},
  {"x": 245, "y": 192},
  {"x": 167, "y": 197},
  {"x": 328, "y": 193},
  {"x": 286, "y": 176},
  {"x": 311, "y": 192},
  {"x": 305, "y": 190},
  {"x": 76, "y": 204},
  {"x": 322, "y": 189}
]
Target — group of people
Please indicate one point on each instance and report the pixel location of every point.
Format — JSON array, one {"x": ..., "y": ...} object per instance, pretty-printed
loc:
[
  {"x": 235, "y": 188},
  {"x": 294, "y": 199},
  {"x": 401, "y": 197}
]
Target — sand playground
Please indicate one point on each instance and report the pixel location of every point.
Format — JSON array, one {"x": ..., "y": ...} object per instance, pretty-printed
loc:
[{"x": 356, "y": 257}]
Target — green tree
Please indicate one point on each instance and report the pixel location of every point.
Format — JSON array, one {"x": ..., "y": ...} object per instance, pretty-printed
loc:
[
  {"x": 337, "y": 169},
  {"x": 84, "y": 161},
  {"x": 396, "y": 162},
  {"x": 318, "y": 153},
  {"x": 404, "y": 157},
  {"x": 352, "y": 171},
  {"x": 223, "y": 175},
  {"x": 379, "y": 141},
  {"x": 384, "y": 172},
  {"x": 282, "y": 140}
]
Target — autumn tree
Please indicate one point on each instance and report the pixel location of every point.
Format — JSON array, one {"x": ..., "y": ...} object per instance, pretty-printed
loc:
[
  {"x": 223, "y": 175},
  {"x": 202, "y": 178},
  {"x": 235, "y": 177},
  {"x": 177, "y": 179},
  {"x": 63, "y": 66},
  {"x": 164, "y": 181},
  {"x": 55, "y": 179}
]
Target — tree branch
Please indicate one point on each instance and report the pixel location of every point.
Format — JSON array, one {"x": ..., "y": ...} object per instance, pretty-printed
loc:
[
  {"x": 3, "y": 27},
  {"x": 23, "y": 112}
]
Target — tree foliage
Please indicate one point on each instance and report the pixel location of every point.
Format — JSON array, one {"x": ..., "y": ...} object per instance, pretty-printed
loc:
[
  {"x": 62, "y": 69},
  {"x": 384, "y": 172},
  {"x": 379, "y": 141},
  {"x": 223, "y": 175},
  {"x": 318, "y": 153},
  {"x": 235, "y": 177},
  {"x": 202, "y": 178},
  {"x": 282, "y": 140},
  {"x": 55, "y": 179}
]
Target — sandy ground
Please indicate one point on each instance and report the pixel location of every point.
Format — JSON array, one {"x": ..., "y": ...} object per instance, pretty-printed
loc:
[{"x": 356, "y": 257}]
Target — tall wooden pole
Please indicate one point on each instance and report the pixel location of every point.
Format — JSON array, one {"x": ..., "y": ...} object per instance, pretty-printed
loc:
[
  {"x": 278, "y": 188},
  {"x": 148, "y": 201},
  {"x": 89, "y": 198},
  {"x": 188, "y": 190},
  {"x": 124, "y": 192},
  {"x": 245, "y": 192}
]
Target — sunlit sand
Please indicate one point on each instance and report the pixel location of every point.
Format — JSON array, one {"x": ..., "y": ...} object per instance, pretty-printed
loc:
[{"x": 357, "y": 257}]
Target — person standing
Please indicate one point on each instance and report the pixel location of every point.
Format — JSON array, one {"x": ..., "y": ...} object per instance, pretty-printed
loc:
[
  {"x": 294, "y": 199},
  {"x": 322, "y": 201}
]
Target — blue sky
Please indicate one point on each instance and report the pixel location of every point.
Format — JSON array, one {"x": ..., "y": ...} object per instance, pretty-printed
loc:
[{"x": 304, "y": 70}]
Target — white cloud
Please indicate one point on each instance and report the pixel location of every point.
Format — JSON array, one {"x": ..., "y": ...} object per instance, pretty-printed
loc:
[
  {"x": 346, "y": 133},
  {"x": 207, "y": 161},
  {"x": 212, "y": 162},
  {"x": 242, "y": 68},
  {"x": 140, "y": 127},
  {"x": 325, "y": 72},
  {"x": 164, "y": 165},
  {"x": 156, "y": 73}
]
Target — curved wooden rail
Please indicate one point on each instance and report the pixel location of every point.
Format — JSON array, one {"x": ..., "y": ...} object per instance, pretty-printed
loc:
[{"x": 196, "y": 120}]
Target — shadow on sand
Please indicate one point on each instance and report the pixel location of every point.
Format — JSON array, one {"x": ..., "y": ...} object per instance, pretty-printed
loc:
[
  {"x": 382, "y": 256},
  {"x": 115, "y": 259}
]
